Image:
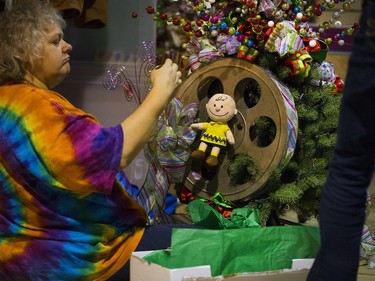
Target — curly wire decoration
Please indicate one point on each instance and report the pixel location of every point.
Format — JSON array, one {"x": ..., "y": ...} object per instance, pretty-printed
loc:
[
  {"x": 144, "y": 63},
  {"x": 115, "y": 77},
  {"x": 146, "y": 55},
  {"x": 147, "y": 51}
]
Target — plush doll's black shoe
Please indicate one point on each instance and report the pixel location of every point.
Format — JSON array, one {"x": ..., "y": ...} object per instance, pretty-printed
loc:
[
  {"x": 198, "y": 154},
  {"x": 211, "y": 161}
]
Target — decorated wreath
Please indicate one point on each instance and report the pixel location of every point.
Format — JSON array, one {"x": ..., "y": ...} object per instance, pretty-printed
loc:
[{"x": 279, "y": 36}]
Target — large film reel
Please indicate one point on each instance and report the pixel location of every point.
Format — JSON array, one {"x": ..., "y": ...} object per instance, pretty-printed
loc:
[{"x": 258, "y": 97}]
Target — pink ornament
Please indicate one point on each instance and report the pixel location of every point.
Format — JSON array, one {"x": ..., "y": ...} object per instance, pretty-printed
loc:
[{"x": 214, "y": 19}]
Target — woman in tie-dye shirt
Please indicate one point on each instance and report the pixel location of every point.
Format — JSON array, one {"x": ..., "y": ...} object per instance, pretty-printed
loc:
[{"x": 65, "y": 213}]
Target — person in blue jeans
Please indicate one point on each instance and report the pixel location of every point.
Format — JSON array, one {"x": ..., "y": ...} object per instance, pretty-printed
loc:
[{"x": 343, "y": 200}]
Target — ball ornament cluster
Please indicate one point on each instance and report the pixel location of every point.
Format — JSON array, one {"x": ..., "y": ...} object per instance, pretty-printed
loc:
[{"x": 247, "y": 27}]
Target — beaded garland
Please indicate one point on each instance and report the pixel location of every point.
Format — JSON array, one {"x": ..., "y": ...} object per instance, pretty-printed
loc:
[{"x": 246, "y": 28}]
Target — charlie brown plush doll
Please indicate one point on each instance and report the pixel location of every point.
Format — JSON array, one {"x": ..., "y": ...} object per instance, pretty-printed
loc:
[{"x": 220, "y": 109}]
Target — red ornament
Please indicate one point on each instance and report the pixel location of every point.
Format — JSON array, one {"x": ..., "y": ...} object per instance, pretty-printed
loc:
[
  {"x": 187, "y": 27},
  {"x": 198, "y": 33},
  {"x": 260, "y": 37},
  {"x": 134, "y": 15},
  {"x": 199, "y": 22},
  {"x": 163, "y": 16},
  {"x": 318, "y": 11},
  {"x": 150, "y": 10},
  {"x": 176, "y": 21},
  {"x": 250, "y": 4},
  {"x": 254, "y": 21},
  {"x": 339, "y": 83},
  {"x": 257, "y": 28}
]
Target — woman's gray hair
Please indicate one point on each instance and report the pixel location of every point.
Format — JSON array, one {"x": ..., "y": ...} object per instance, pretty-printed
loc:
[{"x": 23, "y": 24}]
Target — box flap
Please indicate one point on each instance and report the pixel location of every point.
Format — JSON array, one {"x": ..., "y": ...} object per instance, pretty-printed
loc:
[
  {"x": 279, "y": 275},
  {"x": 142, "y": 270},
  {"x": 302, "y": 263}
]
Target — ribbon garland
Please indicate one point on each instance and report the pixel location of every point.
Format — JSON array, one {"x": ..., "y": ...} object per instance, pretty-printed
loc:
[
  {"x": 292, "y": 114},
  {"x": 154, "y": 191},
  {"x": 167, "y": 158},
  {"x": 284, "y": 39},
  {"x": 329, "y": 77},
  {"x": 218, "y": 202},
  {"x": 222, "y": 205},
  {"x": 299, "y": 63},
  {"x": 268, "y": 7},
  {"x": 228, "y": 44},
  {"x": 175, "y": 137},
  {"x": 201, "y": 52},
  {"x": 248, "y": 54}
]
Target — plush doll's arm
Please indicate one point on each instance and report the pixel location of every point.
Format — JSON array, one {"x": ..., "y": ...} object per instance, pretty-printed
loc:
[
  {"x": 197, "y": 126},
  {"x": 230, "y": 136}
]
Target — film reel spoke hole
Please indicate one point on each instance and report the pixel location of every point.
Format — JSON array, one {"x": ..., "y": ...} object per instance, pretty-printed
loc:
[{"x": 263, "y": 131}]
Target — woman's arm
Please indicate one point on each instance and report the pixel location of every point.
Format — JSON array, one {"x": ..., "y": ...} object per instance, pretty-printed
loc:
[{"x": 140, "y": 126}]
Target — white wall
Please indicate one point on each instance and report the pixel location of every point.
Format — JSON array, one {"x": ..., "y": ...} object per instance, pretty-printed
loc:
[
  {"x": 94, "y": 52},
  {"x": 122, "y": 33}
]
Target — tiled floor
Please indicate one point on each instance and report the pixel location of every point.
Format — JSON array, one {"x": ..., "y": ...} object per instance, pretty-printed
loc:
[{"x": 365, "y": 274}]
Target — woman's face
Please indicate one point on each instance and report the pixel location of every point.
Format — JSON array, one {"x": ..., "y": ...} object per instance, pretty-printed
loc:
[{"x": 51, "y": 69}]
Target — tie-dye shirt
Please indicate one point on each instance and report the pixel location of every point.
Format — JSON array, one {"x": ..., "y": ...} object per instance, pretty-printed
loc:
[{"x": 64, "y": 212}]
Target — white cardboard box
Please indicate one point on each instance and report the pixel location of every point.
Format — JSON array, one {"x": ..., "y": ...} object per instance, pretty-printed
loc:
[{"x": 142, "y": 270}]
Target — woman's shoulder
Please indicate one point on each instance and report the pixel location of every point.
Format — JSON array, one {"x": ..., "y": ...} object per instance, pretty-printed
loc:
[
  {"x": 32, "y": 92},
  {"x": 23, "y": 94},
  {"x": 24, "y": 91}
]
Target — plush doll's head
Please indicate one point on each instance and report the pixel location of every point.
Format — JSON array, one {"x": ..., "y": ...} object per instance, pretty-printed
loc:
[{"x": 221, "y": 108}]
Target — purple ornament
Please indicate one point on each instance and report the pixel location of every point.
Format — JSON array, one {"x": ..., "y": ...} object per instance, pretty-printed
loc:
[
  {"x": 206, "y": 17},
  {"x": 240, "y": 37}
]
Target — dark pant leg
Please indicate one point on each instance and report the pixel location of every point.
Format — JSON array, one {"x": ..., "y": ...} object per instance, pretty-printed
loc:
[{"x": 342, "y": 208}]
